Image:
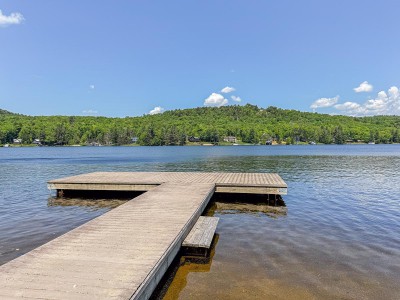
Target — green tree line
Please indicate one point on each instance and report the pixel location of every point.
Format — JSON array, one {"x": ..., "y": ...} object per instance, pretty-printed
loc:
[{"x": 248, "y": 123}]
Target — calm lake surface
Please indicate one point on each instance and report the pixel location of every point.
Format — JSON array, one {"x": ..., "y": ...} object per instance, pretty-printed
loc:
[{"x": 339, "y": 239}]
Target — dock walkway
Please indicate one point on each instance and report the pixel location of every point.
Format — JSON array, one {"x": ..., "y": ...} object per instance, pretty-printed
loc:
[{"x": 124, "y": 253}]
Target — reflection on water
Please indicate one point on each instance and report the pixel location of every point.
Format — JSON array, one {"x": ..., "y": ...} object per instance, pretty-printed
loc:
[
  {"x": 248, "y": 208},
  {"x": 340, "y": 238},
  {"x": 92, "y": 203},
  {"x": 269, "y": 205}
]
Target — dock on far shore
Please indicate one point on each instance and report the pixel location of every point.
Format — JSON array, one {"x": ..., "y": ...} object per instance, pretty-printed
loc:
[{"x": 124, "y": 253}]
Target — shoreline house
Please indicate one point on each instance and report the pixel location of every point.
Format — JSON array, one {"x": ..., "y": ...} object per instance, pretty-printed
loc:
[
  {"x": 135, "y": 139},
  {"x": 193, "y": 139},
  {"x": 230, "y": 139},
  {"x": 17, "y": 141},
  {"x": 37, "y": 142}
]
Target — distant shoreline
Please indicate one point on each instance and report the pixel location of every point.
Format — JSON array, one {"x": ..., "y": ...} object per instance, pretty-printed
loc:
[{"x": 187, "y": 145}]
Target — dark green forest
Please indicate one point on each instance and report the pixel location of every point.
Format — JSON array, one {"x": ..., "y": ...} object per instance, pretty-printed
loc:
[{"x": 248, "y": 123}]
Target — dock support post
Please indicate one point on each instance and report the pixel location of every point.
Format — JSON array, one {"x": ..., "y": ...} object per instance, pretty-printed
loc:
[{"x": 60, "y": 193}]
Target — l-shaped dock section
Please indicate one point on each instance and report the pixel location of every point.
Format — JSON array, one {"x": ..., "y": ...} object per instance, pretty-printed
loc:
[{"x": 124, "y": 253}]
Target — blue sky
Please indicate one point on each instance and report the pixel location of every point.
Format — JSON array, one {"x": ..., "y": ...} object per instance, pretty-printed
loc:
[{"x": 127, "y": 58}]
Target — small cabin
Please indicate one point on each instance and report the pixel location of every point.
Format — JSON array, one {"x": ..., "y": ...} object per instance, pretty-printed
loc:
[
  {"x": 230, "y": 139},
  {"x": 17, "y": 141},
  {"x": 36, "y": 142},
  {"x": 134, "y": 139}
]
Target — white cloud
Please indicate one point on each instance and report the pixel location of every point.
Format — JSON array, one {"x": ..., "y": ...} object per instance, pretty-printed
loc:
[
  {"x": 215, "y": 100},
  {"x": 12, "y": 19},
  {"x": 324, "y": 102},
  {"x": 351, "y": 108},
  {"x": 91, "y": 86},
  {"x": 157, "y": 110},
  {"x": 384, "y": 104},
  {"x": 394, "y": 91},
  {"x": 228, "y": 89},
  {"x": 89, "y": 112},
  {"x": 236, "y": 98},
  {"x": 364, "y": 87},
  {"x": 347, "y": 106}
]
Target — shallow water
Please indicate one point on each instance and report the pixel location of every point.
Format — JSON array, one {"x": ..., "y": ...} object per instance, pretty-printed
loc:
[{"x": 339, "y": 237}]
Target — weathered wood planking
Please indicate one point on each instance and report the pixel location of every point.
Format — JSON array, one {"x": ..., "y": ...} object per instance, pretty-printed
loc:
[
  {"x": 122, "y": 254},
  {"x": 256, "y": 183},
  {"x": 202, "y": 233}
]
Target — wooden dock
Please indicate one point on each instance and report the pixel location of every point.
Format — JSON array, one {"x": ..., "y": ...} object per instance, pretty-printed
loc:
[{"x": 124, "y": 253}]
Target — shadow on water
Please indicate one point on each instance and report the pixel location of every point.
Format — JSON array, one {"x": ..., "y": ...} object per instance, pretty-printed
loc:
[{"x": 175, "y": 279}]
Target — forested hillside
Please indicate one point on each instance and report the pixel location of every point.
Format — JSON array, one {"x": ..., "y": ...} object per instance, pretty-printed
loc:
[
  {"x": 249, "y": 123},
  {"x": 5, "y": 112}
]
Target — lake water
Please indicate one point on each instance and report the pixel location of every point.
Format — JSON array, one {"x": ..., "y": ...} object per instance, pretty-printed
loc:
[{"x": 339, "y": 237}]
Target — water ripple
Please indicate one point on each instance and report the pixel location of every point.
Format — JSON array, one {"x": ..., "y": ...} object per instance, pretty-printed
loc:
[{"x": 338, "y": 239}]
